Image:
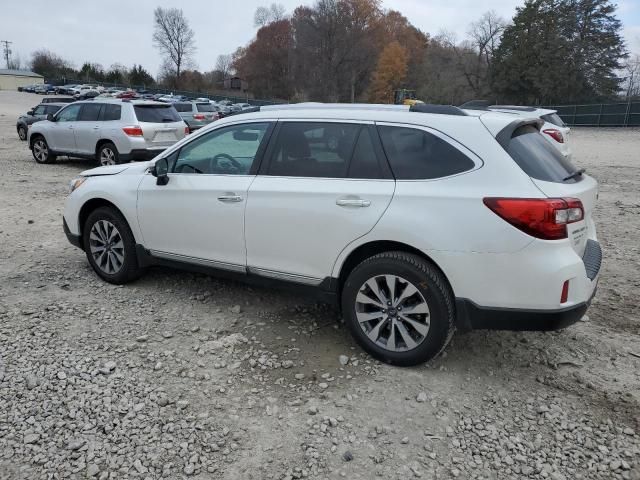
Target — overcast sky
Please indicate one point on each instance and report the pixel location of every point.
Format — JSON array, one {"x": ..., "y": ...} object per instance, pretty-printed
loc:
[{"x": 120, "y": 31}]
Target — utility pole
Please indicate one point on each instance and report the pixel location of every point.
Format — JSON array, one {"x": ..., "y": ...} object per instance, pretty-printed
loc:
[{"x": 7, "y": 51}]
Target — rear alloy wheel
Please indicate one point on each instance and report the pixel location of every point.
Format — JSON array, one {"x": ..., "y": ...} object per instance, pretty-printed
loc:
[
  {"x": 399, "y": 308},
  {"x": 41, "y": 152},
  {"x": 108, "y": 155},
  {"x": 22, "y": 132},
  {"x": 110, "y": 246}
]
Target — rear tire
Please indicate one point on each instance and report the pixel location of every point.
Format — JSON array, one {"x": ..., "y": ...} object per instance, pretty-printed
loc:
[
  {"x": 110, "y": 246},
  {"x": 107, "y": 155},
  {"x": 40, "y": 150},
  {"x": 22, "y": 132},
  {"x": 399, "y": 308}
]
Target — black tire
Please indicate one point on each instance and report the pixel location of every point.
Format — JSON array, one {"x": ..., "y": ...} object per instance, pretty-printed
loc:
[
  {"x": 430, "y": 284},
  {"x": 40, "y": 150},
  {"x": 107, "y": 151},
  {"x": 22, "y": 132},
  {"x": 129, "y": 269}
]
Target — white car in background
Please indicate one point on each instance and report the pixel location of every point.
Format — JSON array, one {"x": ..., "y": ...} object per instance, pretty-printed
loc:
[
  {"x": 554, "y": 129},
  {"x": 416, "y": 221}
]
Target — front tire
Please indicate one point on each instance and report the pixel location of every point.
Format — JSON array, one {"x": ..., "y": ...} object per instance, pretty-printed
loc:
[
  {"x": 40, "y": 150},
  {"x": 399, "y": 308},
  {"x": 107, "y": 154},
  {"x": 110, "y": 246},
  {"x": 22, "y": 132}
]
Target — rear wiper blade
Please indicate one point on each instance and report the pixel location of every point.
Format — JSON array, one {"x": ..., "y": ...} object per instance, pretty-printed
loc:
[{"x": 575, "y": 174}]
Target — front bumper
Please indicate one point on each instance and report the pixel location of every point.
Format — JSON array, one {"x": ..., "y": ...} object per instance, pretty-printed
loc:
[{"x": 74, "y": 240}]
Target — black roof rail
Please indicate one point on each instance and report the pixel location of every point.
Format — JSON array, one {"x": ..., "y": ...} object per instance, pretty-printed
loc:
[
  {"x": 476, "y": 105},
  {"x": 439, "y": 109}
]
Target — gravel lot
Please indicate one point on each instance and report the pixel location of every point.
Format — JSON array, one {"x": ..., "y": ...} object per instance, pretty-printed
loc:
[{"x": 186, "y": 376}]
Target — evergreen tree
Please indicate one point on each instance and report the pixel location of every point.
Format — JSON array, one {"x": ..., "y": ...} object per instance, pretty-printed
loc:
[{"x": 559, "y": 51}]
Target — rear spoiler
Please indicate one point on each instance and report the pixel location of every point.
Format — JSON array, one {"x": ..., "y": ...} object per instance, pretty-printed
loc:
[{"x": 504, "y": 136}]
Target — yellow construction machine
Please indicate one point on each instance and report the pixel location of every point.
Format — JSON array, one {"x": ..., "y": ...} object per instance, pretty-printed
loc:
[{"x": 403, "y": 96}]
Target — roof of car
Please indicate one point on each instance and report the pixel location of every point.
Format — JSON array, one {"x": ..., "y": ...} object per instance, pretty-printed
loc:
[{"x": 55, "y": 104}]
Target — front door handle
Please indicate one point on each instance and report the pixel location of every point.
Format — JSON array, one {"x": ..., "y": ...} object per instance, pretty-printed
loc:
[
  {"x": 230, "y": 198},
  {"x": 352, "y": 202}
]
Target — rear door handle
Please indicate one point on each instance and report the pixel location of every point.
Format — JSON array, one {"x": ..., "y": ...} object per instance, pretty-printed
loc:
[
  {"x": 230, "y": 198},
  {"x": 352, "y": 202}
]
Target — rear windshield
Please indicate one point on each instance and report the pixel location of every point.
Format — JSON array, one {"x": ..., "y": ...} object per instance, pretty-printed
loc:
[
  {"x": 205, "y": 107},
  {"x": 553, "y": 118},
  {"x": 156, "y": 113},
  {"x": 538, "y": 158},
  {"x": 183, "y": 107}
]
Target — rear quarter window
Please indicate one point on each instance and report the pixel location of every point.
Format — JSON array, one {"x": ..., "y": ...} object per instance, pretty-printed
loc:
[
  {"x": 419, "y": 155},
  {"x": 538, "y": 158},
  {"x": 156, "y": 113}
]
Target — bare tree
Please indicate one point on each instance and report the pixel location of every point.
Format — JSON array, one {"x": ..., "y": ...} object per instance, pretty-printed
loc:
[
  {"x": 485, "y": 34},
  {"x": 266, "y": 15},
  {"x": 223, "y": 65},
  {"x": 631, "y": 69},
  {"x": 174, "y": 38}
]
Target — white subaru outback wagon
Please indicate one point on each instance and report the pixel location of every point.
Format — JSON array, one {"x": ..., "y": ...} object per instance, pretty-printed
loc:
[{"x": 417, "y": 221}]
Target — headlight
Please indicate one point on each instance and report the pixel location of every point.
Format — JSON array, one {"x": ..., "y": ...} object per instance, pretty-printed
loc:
[{"x": 75, "y": 183}]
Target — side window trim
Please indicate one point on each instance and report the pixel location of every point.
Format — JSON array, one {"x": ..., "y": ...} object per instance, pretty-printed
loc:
[
  {"x": 475, "y": 158},
  {"x": 253, "y": 171}
]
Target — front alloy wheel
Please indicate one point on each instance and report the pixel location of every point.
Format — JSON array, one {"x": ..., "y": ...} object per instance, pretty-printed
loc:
[
  {"x": 41, "y": 152},
  {"x": 110, "y": 246},
  {"x": 107, "y": 247}
]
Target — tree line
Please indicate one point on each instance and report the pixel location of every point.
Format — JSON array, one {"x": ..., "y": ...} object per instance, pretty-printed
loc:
[{"x": 552, "y": 51}]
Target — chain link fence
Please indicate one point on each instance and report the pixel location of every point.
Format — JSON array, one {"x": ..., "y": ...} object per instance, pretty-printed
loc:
[{"x": 621, "y": 114}]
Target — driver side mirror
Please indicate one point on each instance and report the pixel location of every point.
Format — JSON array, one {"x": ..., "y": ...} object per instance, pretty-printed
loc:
[
  {"x": 161, "y": 171},
  {"x": 51, "y": 117},
  {"x": 30, "y": 112}
]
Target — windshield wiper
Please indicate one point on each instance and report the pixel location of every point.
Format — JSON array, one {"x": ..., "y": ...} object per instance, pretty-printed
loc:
[{"x": 575, "y": 174}]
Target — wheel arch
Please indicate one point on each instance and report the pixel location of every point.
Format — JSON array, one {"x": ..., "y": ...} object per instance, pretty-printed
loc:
[
  {"x": 369, "y": 249},
  {"x": 91, "y": 205},
  {"x": 101, "y": 142}
]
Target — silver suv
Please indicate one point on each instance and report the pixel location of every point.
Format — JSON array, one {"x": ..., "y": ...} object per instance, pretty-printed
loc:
[
  {"x": 197, "y": 114},
  {"x": 110, "y": 131}
]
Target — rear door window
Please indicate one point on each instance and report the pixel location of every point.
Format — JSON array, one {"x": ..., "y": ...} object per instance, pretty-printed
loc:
[
  {"x": 156, "y": 114},
  {"x": 538, "y": 158},
  {"x": 89, "y": 112},
  {"x": 419, "y": 155},
  {"x": 183, "y": 107},
  {"x": 111, "y": 112},
  {"x": 365, "y": 162},
  {"x": 313, "y": 149}
]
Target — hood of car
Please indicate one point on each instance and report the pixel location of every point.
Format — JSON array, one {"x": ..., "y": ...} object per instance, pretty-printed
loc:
[{"x": 137, "y": 167}]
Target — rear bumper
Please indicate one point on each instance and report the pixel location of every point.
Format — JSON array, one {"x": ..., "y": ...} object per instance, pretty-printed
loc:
[
  {"x": 74, "y": 240},
  {"x": 471, "y": 316}
]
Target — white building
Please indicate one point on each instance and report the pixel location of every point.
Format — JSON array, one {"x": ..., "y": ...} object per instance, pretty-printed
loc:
[{"x": 12, "y": 79}]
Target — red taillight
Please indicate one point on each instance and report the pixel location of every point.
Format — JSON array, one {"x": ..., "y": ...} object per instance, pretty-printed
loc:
[
  {"x": 564, "y": 296},
  {"x": 198, "y": 116},
  {"x": 555, "y": 134},
  {"x": 544, "y": 218},
  {"x": 186, "y": 130},
  {"x": 135, "y": 131}
]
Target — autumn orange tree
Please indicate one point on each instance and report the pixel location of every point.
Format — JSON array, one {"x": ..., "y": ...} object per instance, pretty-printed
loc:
[{"x": 390, "y": 73}]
